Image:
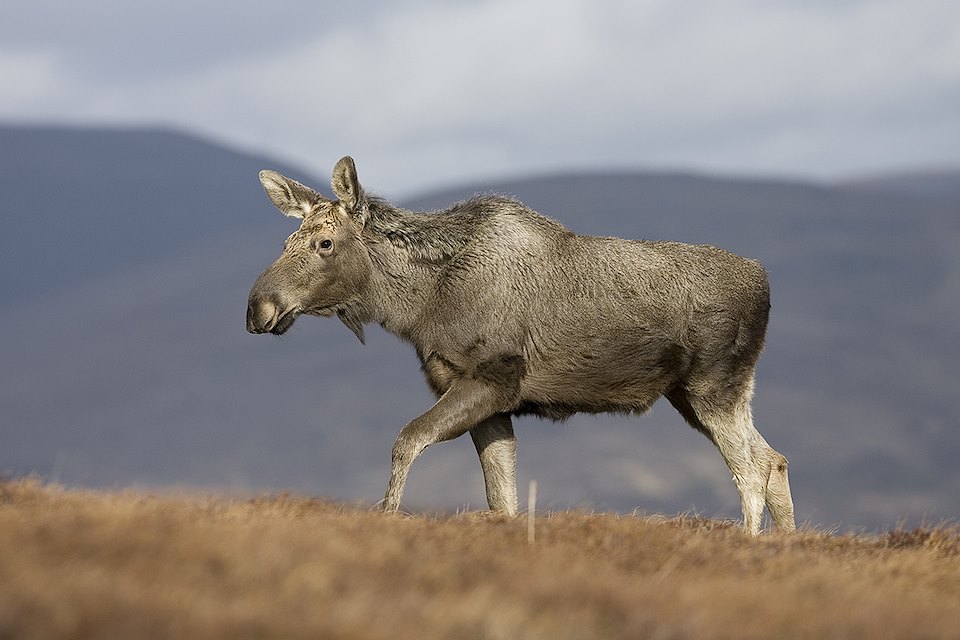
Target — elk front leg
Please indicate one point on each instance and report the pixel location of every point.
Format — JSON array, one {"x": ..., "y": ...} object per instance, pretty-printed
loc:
[
  {"x": 497, "y": 447},
  {"x": 465, "y": 404}
]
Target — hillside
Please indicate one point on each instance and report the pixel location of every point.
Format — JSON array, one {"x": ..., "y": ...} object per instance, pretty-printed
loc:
[
  {"x": 942, "y": 184},
  {"x": 85, "y": 203},
  {"x": 95, "y": 565},
  {"x": 126, "y": 362}
]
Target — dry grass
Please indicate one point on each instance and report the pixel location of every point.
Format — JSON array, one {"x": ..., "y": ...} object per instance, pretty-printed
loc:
[{"x": 126, "y": 565}]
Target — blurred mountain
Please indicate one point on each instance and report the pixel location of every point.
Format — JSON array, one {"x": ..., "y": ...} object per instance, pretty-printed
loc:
[
  {"x": 942, "y": 184},
  {"x": 83, "y": 203},
  {"x": 127, "y": 257}
]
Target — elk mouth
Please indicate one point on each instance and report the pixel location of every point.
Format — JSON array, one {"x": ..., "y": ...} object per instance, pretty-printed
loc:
[
  {"x": 264, "y": 316},
  {"x": 284, "y": 321}
]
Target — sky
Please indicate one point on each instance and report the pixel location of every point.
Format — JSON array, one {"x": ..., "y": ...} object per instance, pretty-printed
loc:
[{"x": 431, "y": 93}]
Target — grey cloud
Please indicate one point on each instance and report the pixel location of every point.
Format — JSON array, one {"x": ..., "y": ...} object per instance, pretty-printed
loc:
[{"x": 433, "y": 92}]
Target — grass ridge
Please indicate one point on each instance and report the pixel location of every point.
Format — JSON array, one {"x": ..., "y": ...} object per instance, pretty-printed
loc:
[{"x": 94, "y": 564}]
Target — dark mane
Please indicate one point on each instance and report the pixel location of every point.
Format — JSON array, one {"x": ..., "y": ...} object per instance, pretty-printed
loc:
[{"x": 435, "y": 236}]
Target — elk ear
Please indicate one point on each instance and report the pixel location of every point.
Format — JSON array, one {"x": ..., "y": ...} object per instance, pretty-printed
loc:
[
  {"x": 292, "y": 198},
  {"x": 345, "y": 184}
]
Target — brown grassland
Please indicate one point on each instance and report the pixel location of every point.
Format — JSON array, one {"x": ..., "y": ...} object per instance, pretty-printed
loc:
[{"x": 83, "y": 564}]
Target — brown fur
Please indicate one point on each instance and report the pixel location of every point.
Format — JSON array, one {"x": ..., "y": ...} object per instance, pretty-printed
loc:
[{"x": 511, "y": 313}]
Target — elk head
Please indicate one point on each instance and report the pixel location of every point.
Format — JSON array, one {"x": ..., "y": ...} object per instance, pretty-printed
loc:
[{"x": 325, "y": 267}]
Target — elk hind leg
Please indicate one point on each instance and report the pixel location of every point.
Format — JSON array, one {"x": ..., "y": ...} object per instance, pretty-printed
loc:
[{"x": 759, "y": 471}]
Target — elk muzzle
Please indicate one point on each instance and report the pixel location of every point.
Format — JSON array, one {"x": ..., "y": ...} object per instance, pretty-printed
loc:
[
  {"x": 261, "y": 315},
  {"x": 267, "y": 315}
]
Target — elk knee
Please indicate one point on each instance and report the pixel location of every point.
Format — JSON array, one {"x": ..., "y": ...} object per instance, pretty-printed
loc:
[{"x": 407, "y": 446}]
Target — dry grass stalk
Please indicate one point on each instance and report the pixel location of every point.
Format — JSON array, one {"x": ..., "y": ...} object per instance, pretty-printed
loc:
[{"x": 531, "y": 512}]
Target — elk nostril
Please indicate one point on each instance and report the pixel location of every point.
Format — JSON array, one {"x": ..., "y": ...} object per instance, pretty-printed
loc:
[{"x": 261, "y": 316}]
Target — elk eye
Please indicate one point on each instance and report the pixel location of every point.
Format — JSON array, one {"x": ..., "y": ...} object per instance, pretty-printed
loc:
[{"x": 326, "y": 244}]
